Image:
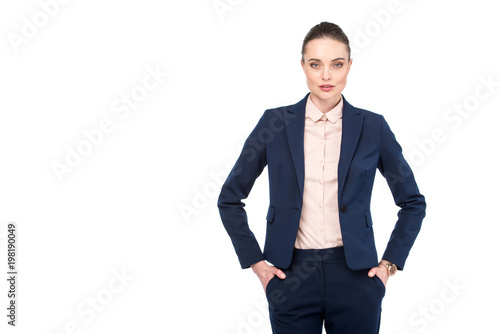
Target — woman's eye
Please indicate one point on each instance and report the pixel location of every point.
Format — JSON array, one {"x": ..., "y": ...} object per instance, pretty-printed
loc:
[
  {"x": 338, "y": 65},
  {"x": 314, "y": 65}
]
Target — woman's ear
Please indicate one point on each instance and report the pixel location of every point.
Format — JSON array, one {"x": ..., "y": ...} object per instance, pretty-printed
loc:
[{"x": 350, "y": 63}]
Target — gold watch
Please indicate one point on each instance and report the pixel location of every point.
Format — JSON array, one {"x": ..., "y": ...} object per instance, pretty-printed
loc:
[{"x": 391, "y": 267}]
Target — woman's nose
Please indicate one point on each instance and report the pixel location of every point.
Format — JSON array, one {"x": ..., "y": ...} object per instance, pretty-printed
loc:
[{"x": 326, "y": 74}]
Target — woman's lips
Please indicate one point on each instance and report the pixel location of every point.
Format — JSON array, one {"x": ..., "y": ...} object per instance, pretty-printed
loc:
[{"x": 326, "y": 88}]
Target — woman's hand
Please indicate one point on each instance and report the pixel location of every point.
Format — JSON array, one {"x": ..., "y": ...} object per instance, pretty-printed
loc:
[
  {"x": 266, "y": 272},
  {"x": 381, "y": 272}
]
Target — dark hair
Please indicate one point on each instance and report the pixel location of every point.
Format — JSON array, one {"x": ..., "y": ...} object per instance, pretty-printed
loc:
[{"x": 326, "y": 30}]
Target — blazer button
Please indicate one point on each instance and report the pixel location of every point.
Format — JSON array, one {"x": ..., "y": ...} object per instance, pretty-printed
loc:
[{"x": 343, "y": 208}]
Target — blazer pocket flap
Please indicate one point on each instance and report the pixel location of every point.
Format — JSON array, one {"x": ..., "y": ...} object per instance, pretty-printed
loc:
[
  {"x": 368, "y": 218},
  {"x": 270, "y": 214}
]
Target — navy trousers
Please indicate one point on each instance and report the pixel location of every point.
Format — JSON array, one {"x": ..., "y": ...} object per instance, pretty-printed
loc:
[{"x": 319, "y": 289}]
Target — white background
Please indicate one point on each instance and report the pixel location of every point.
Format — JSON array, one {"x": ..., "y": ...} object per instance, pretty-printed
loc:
[{"x": 142, "y": 202}]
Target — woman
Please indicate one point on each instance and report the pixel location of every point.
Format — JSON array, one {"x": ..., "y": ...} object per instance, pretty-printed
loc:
[{"x": 322, "y": 154}]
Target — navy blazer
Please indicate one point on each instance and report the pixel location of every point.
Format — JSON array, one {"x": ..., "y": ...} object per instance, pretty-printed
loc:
[{"x": 367, "y": 144}]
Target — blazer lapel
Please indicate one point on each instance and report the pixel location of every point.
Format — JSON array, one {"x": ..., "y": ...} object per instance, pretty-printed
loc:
[
  {"x": 352, "y": 123},
  {"x": 295, "y": 135}
]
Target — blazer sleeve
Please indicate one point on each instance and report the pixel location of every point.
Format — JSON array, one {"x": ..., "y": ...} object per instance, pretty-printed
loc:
[
  {"x": 237, "y": 186},
  {"x": 405, "y": 192}
]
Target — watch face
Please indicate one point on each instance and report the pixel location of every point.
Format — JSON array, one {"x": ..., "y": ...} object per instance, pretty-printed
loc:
[{"x": 392, "y": 269}]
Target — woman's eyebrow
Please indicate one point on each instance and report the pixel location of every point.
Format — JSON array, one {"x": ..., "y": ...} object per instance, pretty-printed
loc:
[{"x": 315, "y": 59}]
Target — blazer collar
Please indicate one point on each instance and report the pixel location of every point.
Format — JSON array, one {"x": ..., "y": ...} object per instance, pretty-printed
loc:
[{"x": 300, "y": 107}]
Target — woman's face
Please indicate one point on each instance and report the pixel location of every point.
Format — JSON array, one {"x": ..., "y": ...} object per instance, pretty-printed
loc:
[{"x": 326, "y": 67}]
